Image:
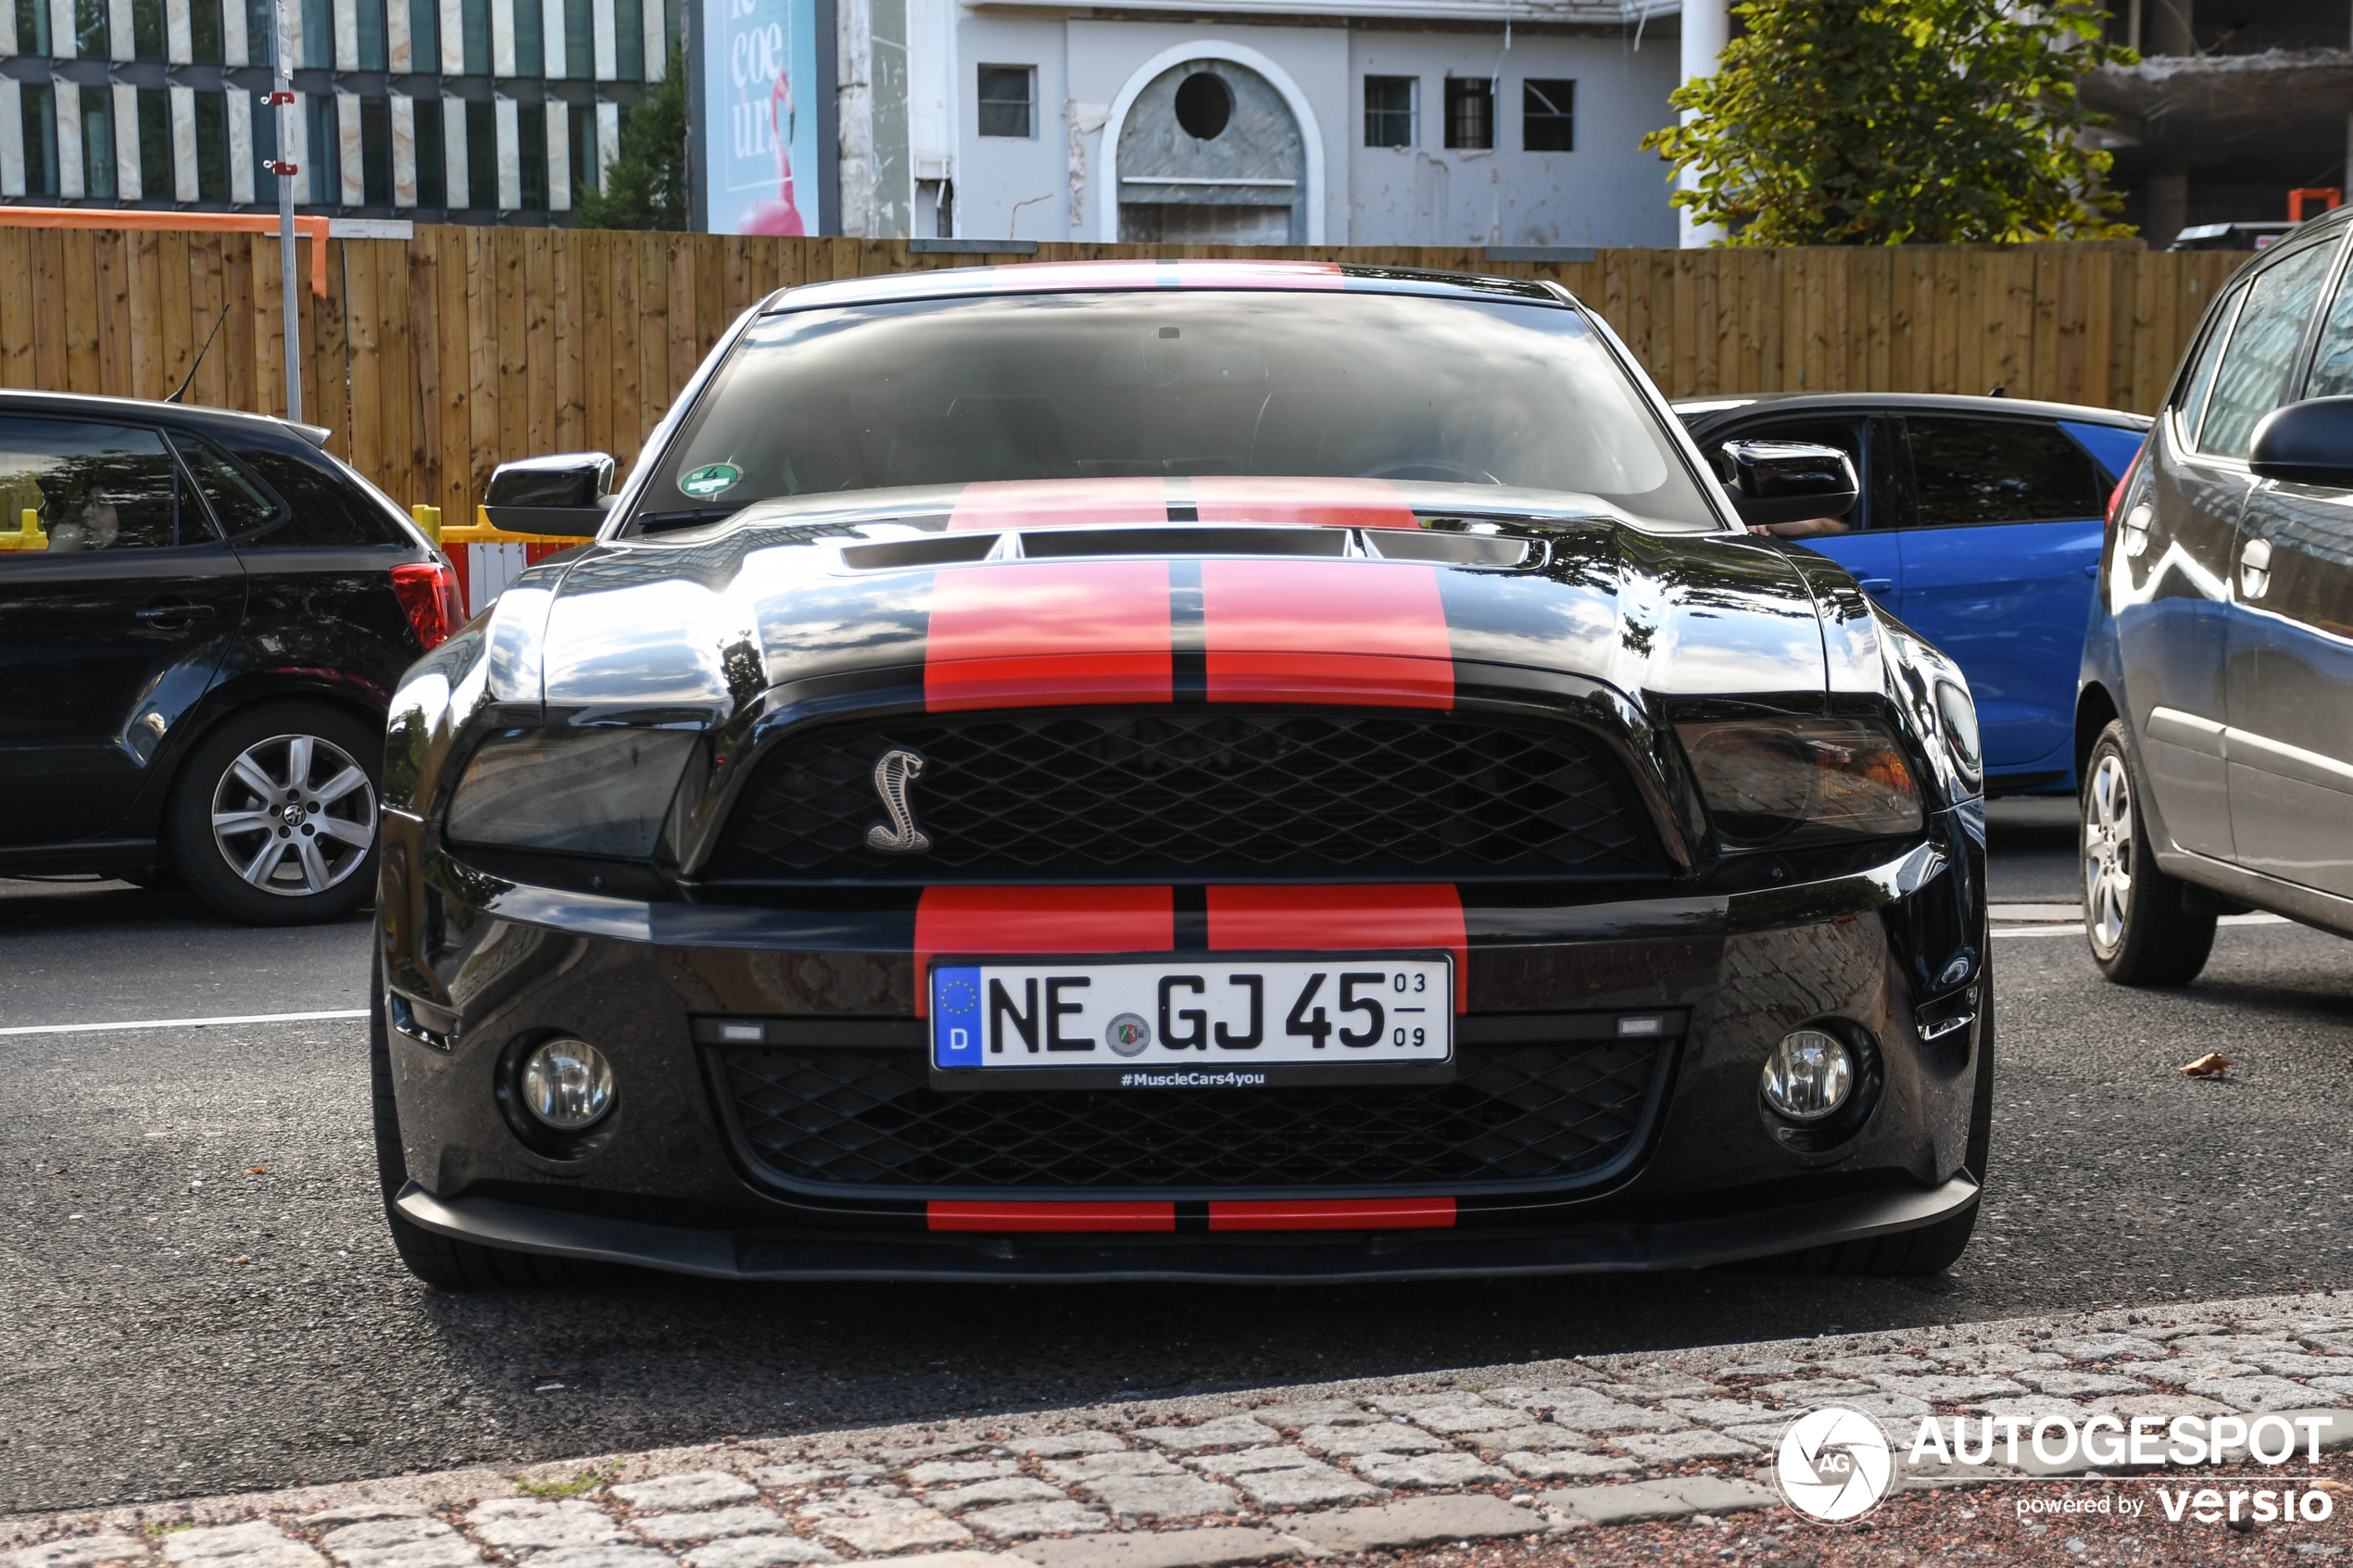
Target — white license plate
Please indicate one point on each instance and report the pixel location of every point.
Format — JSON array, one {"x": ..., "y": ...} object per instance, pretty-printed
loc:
[{"x": 1177, "y": 1021}]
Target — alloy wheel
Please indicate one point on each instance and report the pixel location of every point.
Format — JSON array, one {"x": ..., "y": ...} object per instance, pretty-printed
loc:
[
  {"x": 293, "y": 815},
  {"x": 2108, "y": 852}
]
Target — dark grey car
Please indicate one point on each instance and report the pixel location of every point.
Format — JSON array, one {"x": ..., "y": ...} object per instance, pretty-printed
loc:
[{"x": 2214, "y": 728}]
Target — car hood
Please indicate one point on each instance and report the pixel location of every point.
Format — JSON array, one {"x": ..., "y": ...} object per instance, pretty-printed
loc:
[{"x": 1011, "y": 594}]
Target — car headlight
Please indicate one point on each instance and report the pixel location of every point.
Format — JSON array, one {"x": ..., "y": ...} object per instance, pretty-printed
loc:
[
  {"x": 583, "y": 791},
  {"x": 1768, "y": 780}
]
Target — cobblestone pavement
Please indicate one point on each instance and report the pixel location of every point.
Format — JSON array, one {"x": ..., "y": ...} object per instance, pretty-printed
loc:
[{"x": 1528, "y": 1453}]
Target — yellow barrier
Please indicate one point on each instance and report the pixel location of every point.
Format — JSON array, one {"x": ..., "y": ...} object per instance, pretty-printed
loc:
[
  {"x": 27, "y": 535},
  {"x": 478, "y": 531}
]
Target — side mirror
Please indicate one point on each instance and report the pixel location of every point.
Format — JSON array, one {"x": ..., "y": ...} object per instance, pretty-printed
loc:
[
  {"x": 2309, "y": 442},
  {"x": 564, "y": 495},
  {"x": 1788, "y": 481}
]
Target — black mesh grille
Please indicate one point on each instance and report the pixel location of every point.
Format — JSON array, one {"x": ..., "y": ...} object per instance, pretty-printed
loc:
[
  {"x": 870, "y": 1118},
  {"x": 1177, "y": 795}
]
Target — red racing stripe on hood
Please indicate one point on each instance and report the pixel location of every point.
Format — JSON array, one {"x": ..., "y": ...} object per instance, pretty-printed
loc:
[
  {"x": 1359, "y": 632},
  {"x": 1048, "y": 633},
  {"x": 1332, "y": 503},
  {"x": 1051, "y": 503},
  {"x": 1319, "y": 919},
  {"x": 1003, "y": 921}
]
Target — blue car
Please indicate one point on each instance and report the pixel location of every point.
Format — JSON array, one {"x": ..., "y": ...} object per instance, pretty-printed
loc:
[{"x": 1980, "y": 525}]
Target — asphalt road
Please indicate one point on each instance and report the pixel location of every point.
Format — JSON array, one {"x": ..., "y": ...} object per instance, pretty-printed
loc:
[{"x": 196, "y": 1295}]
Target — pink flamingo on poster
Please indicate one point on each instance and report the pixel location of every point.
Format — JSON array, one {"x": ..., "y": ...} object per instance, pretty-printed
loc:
[{"x": 780, "y": 216}]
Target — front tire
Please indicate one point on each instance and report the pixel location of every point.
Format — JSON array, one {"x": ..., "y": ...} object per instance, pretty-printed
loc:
[
  {"x": 2141, "y": 925},
  {"x": 442, "y": 1261},
  {"x": 273, "y": 819}
]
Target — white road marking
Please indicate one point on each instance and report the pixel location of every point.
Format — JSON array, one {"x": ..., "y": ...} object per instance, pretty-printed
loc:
[
  {"x": 2077, "y": 929},
  {"x": 183, "y": 1022}
]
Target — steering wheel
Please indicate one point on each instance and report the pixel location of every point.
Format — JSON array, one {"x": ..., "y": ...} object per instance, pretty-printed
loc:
[{"x": 1430, "y": 468}]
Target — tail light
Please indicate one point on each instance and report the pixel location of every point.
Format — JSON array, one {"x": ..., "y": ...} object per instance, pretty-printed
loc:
[
  {"x": 2116, "y": 496},
  {"x": 428, "y": 594}
]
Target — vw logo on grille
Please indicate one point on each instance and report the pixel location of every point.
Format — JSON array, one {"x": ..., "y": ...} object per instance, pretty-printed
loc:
[{"x": 894, "y": 771}]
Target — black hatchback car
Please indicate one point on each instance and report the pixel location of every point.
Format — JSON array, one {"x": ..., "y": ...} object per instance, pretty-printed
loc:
[
  {"x": 2215, "y": 726},
  {"x": 202, "y": 617}
]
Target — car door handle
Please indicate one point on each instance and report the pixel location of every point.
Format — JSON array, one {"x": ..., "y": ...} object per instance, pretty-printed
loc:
[
  {"x": 1876, "y": 585},
  {"x": 173, "y": 612}
]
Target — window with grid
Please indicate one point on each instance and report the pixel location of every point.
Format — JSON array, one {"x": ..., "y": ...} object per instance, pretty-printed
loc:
[
  {"x": 1389, "y": 110},
  {"x": 1548, "y": 115},
  {"x": 1471, "y": 112},
  {"x": 1006, "y": 100}
]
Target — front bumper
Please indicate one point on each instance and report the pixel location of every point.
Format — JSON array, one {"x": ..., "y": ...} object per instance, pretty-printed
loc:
[{"x": 479, "y": 965}]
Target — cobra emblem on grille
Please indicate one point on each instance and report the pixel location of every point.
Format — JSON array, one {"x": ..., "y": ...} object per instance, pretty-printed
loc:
[{"x": 894, "y": 771}]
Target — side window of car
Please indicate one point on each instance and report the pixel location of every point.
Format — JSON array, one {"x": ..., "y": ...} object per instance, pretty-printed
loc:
[
  {"x": 2333, "y": 358},
  {"x": 322, "y": 510},
  {"x": 1970, "y": 471},
  {"x": 237, "y": 500},
  {"x": 2252, "y": 380},
  {"x": 70, "y": 487},
  {"x": 2191, "y": 405}
]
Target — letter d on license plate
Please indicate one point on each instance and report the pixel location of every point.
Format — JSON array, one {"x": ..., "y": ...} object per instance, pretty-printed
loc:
[{"x": 1193, "y": 1022}]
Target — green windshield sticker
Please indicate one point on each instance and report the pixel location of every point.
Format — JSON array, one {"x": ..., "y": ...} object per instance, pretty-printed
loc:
[{"x": 712, "y": 478}]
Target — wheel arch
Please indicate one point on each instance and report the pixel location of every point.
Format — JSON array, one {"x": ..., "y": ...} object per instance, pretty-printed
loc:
[{"x": 2094, "y": 711}]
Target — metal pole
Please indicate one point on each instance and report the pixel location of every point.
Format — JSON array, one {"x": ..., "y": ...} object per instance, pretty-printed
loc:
[{"x": 285, "y": 169}]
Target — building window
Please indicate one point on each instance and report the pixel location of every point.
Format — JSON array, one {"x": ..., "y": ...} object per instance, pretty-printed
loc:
[
  {"x": 90, "y": 40},
  {"x": 369, "y": 29},
  {"x": 40, "y": 139},
  {"x": 473, "y": 20},
  {"x": 212, "y": 146},
  {"x": 531, "y": 155},
  {"x": 376, "y": 151},
  {"x": 317, "y": 50},
  {"x": 156, "y": 162},
  {"x": 1548, "y": 115},
  {"x": 261, "y": 35},
  {"x": 433, "y": 176},
  {"x": 530, "y": 39},
  {"x": 33, "y": 31},
  {"x": 580, "y": 39},
  {"x": 204, "y": 32},
  {"x": 585, "y": 175},
  {"x": 424, "y": 34},
  {"x": 1390, "y": 103},
  {"x": 97, "y": 143},
  {"x": 481, "y": 155},
  {"x": 146, "y": 30},
  {"x": 629, "y": 40},
  {"x": 1008, "y": 97},
  {"x": 324, "y": 163},
  {"x": 1471, "y": 112},
  {"x": 265, "y": 151}
]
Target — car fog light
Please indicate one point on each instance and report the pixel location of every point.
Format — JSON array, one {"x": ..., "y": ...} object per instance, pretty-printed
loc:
[
  {"x": 1809, "y": 1076},
  {"x": 567, "y": 1084}
]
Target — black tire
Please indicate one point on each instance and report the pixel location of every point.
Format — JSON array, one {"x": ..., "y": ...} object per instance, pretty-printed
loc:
[
  {"x": 331, "y": 741},
  {"x": 439, "y": 1260},
  {"x": 2144, "y": 927}
]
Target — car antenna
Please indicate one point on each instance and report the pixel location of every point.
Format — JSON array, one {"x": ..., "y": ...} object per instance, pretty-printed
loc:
[
  {"x": 1999, "y": 391},
  {"x": 199, "y": 359}
]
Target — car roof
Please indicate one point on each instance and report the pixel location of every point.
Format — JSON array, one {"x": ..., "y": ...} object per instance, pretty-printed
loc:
[
  {"x": 1713, "y": 410},
  {"x": 1094, "y": 277},
  {"x": 149, "y": 408}
]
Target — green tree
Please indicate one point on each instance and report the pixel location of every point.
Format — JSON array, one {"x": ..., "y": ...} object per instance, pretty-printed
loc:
[
  {"x": 1897, "y": 121},
  {"x": 645, "y": 186}
]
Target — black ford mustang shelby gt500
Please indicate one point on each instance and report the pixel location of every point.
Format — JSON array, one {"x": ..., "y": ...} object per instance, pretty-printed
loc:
[{"x": 1265, "y": 771}]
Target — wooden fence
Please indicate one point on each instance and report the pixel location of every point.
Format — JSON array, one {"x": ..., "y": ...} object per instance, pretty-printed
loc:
[{"x": 437, "y": 357}]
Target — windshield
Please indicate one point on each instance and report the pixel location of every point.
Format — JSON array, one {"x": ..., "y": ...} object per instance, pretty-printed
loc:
[{"x": 1062, "y": 386}]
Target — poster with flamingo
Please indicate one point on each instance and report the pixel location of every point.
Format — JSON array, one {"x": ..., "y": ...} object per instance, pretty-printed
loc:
[{"x": 760, "y": 99}]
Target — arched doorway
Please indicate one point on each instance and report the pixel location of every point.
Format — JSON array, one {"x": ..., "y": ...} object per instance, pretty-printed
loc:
[{"x": 1210, "y": 152}]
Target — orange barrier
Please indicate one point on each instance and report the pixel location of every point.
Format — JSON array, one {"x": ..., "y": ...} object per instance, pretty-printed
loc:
[{"x": 209, "y": 223}]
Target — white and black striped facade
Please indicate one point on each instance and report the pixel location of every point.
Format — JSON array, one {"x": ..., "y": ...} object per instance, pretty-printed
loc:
[{"x": 468, "y": 111}]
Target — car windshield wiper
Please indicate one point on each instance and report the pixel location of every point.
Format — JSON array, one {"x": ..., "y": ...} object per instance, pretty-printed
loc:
[{"x": 662, "y": 522}]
